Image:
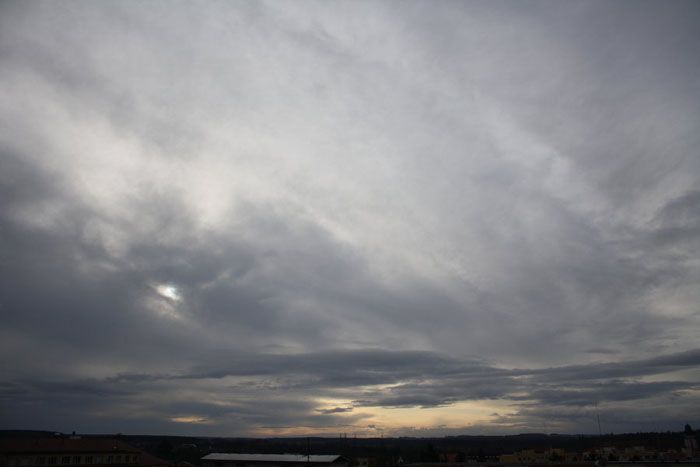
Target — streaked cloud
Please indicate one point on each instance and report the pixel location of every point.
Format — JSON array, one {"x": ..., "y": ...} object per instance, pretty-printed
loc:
[{"x": 363, "y": 213}]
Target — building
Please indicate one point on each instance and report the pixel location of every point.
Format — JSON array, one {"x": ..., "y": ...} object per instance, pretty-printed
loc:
[
  {"x": 74, "y": 451},
  {"x": 534, "y": 456},
  {"x": 690, "y": 444},
  {"x": 273, "y": 460},
  {"x": 364, "y": 462}
]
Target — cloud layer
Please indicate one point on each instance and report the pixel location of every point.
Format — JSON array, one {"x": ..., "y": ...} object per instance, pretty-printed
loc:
[{"x": 423, "y": 218}]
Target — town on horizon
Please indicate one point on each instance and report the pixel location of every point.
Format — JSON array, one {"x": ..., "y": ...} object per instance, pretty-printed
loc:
[{"x": 36, "y": 448}]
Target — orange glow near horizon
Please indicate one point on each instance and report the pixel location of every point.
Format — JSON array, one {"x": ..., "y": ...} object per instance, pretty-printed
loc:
[
  {"x": 382, "y": 421},
  {"x": 190, "y": 419}
]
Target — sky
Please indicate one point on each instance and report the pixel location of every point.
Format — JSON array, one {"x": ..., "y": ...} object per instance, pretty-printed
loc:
[{"x": 419, "y": 218}]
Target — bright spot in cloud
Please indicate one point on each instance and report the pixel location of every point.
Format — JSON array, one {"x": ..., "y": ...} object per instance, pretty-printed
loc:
[
  {"x": 168, "y": 291},
  {"x": 165, "y": 301}
]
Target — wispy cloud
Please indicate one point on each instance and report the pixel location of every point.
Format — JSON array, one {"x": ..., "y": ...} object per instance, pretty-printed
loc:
[{"x": 348, "y": 208}]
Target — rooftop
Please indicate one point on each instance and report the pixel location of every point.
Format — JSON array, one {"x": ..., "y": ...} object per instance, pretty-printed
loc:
[{"x": 60, "y": 445}]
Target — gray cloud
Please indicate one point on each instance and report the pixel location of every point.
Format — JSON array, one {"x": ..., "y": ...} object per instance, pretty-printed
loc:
[{"x": 344, "y": 207}]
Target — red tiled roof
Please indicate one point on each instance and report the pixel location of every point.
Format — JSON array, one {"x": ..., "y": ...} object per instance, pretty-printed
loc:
[
  {"x": 148, "y": 460},
  {"x": 61, "y": 445}
]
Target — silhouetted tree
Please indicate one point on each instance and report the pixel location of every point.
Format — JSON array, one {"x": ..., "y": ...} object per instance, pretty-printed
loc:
[
  {"x": 165, "y": 450},
  {"x": 429, "y": 454}
]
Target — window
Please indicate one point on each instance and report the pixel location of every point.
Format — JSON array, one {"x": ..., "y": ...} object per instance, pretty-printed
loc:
[
  {"x": 76, "y": 460},
  {"x": 53, "y": 460},
  {"x": 88, "y": 459},
  {"x": 109, "y": 459},
  {"x": 41, "y": 460},
  {"x": 119, "y": 460},
  {"x": 65, "y": 460}
]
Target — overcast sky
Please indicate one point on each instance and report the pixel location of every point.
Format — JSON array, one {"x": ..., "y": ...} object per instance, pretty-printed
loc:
[{"x": 408, "y": 218}]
